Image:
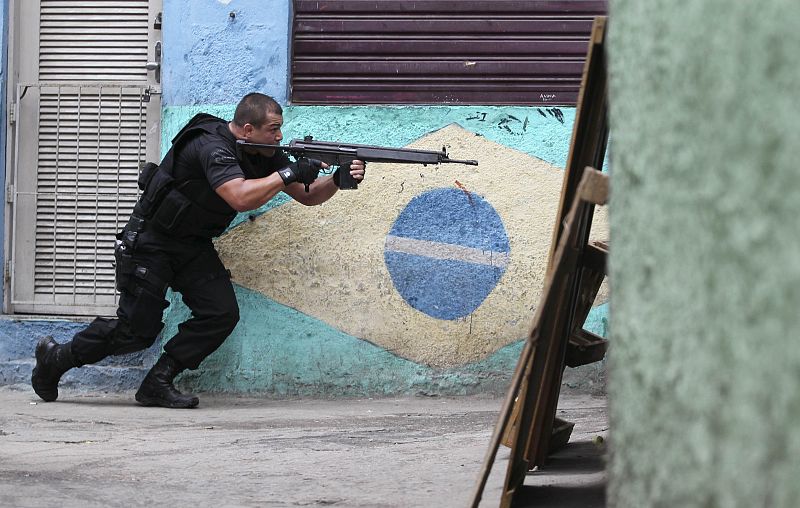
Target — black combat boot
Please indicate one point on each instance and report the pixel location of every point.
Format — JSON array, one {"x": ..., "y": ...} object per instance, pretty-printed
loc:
[
  {"x": 157, "y": 388},
  {"x": 52, "y": 361}
]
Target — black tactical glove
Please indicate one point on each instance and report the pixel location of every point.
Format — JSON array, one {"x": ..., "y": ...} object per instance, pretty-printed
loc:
[
  {"x": 302, "y": 170},
  {"x": 343, "y": 179}
]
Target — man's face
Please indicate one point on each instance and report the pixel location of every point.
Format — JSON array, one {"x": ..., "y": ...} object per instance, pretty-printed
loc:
[{"x": 268, "y": 134}]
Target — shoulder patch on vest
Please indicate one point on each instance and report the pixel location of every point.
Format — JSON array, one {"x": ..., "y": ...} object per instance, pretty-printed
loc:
[{"x": 223, "y": 156}]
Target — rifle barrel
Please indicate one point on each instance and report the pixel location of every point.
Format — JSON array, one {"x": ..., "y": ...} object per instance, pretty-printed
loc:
[
  {"x": 469, "y": 162},
  {"x": 367, "y": 152}
]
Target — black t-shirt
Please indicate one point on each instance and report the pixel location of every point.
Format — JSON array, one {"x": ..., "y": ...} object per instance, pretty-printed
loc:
[{"x": 214, "y": 157}]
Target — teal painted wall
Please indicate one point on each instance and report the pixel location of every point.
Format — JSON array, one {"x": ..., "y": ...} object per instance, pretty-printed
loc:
[
  {"x": 538, "y": 131},
  {"x": 278, "y": 350},
  {"x": 704, "y": 216}
]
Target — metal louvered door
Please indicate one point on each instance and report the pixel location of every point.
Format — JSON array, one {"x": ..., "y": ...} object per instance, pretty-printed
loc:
[{"x": 85, "y": 112}]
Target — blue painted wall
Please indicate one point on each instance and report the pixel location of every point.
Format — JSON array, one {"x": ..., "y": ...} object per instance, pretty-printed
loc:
[{"x": 215, "y": 51}]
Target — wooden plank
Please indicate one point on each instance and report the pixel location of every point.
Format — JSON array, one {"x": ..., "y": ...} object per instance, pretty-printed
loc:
[
  {"x": 596, "y": 189},
  {"x": 585, "y": 348},
  {"x": 573, "y": 240},
  {"x": 590, "y": 131},
  {"x": 585, "y": 338},
  {"x": 530, "y": 426},
  {"x": 502, "y": 422},
  {"x": 578, "y": 352},
  {"x": 581, "y": 290},
  {"x": 589, "y": 137},
  {"x": 553, "y": 316},
  {"x": 588, "y": 286},
  {"x": 594, "y": 258},
  {"x": 562, "y": 430},
  {"x": 527, "y": 374}
]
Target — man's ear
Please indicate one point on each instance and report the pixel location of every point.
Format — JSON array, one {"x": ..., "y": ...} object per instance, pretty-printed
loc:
[{"x": 247, "y": 131}]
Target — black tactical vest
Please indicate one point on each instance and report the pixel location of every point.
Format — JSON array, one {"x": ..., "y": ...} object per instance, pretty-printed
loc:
[{"x": 183, "y": 207}]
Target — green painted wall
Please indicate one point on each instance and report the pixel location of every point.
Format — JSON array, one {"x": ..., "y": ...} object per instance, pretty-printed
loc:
[{"x": 705, "y": 114}]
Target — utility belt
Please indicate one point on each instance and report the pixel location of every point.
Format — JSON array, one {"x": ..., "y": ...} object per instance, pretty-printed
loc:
[{"x": 127, "y": 271}]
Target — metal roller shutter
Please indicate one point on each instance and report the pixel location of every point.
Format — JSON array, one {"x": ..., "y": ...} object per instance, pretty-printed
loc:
[{"x": 440, "y": 51}]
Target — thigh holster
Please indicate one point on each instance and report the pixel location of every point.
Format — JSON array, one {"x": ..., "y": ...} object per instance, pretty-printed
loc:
[{"x": 142, "y": 297}]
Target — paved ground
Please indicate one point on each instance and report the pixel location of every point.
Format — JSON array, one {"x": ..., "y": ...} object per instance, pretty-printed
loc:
[{"x": 90, "y": 450}]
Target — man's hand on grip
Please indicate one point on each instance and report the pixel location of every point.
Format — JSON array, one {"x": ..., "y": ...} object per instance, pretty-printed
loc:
[
  {"x": 303, "y": 170},
  {"x": 349, "y": 175}
]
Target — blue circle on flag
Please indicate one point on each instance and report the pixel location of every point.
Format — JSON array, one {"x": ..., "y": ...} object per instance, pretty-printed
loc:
[{"x": 446, "y": 252}]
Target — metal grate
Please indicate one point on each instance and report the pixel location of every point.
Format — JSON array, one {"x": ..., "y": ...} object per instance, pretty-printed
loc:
[
  {"x": 90, "y": 143},
  {"x": 93, "y": 40}
]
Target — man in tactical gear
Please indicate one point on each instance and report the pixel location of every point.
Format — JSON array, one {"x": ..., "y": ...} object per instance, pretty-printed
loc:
[{"x": 191, "y": 197}]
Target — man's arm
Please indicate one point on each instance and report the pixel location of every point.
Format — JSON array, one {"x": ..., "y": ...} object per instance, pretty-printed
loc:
[
  {"x": 324, "y": 188},
  {"x": 320, "y": 191},
  {"x": 248, "y": 194},
  {"x": 243, "y": 195}
]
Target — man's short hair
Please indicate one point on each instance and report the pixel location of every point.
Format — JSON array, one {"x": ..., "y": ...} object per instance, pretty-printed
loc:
[{"x": 253, "y": 109}]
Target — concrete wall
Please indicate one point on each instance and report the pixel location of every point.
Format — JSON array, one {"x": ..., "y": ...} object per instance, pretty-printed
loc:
[
  {"x": 706, "y": 126},
  {"x": 218, "y": 50},
  {"x": 329, "y": 304}
]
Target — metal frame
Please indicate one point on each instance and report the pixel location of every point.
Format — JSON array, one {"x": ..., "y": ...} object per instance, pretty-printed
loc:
[
  {"x": 23, "y": 75},
  {"x": 79, "y": 304}
]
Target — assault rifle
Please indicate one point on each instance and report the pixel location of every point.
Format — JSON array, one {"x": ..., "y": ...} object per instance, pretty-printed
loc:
[{"x": 337, "y": 154}]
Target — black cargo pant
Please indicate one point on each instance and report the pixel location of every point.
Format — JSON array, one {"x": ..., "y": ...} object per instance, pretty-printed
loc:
[{"x": 147, "y": 264}]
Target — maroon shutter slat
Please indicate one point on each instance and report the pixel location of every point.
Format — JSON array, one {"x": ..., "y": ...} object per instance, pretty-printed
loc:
[{"x": 440, "y": 51}]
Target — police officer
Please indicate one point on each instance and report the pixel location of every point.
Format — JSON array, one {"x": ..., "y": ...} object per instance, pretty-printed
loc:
[{"x": 191, "y": 197}]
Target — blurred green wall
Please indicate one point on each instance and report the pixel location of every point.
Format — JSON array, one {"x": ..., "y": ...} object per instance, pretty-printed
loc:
[{"x": 705, "y": 263}]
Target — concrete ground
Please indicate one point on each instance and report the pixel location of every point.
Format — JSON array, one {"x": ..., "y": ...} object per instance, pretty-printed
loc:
[{"x": 93, "y": 449}]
